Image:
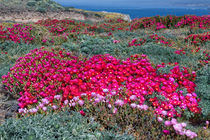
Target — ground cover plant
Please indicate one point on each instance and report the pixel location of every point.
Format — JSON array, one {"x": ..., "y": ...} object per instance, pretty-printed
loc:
[{"x": 148, "y": 77}]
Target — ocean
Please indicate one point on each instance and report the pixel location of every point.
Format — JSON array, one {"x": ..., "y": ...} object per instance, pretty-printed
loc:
[{"x": 148, "y": 12}]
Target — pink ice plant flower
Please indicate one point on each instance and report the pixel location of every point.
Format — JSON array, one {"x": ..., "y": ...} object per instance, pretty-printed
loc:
[
  {"x": 81, "y": 102},
  {"x": 160, "y": 119},
  {"x": 119, "y": 102},
  {"x": 133, "y": 105}
]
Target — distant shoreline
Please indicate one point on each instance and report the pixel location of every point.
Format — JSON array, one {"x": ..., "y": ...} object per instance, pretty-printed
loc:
[{"x": 148, "y": 12}]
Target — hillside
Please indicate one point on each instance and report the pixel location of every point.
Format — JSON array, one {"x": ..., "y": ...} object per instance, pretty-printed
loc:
[
  {"x": 30, "y": 5},
  {"x": 34, "y": 10},
  {"x": 148, "y": 78}
]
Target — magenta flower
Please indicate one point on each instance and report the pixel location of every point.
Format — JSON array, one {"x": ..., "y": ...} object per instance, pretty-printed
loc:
[
  {"x": 82, "y": 112},
  {"x": 166, "y": 132}
]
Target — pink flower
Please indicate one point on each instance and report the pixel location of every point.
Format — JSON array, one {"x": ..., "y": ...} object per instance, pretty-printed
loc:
[
  {"x": 21, "y": 110},
  {"x": 93, "y": 94},
  {"x": 97, "y": 100},
  {"x": 145, "y": 107},
  {"x": 164, "y": 113},
  {"x": 173, "y": 121},
  {"x": 45, "y": 101},
  {"x": 105, "y": 90},
  {"x": 113, "y": 93},
  {"x": 207, "y": 122},
  {"x": 119, "y": 102},
  {"x": 72, "y": 104},
  {"x": 177, "y": 127},
  {"x": 44, "y": 108},
  {"x": 57, "y": 97},
  {"x": 83, "y": 94},
  {"x": 167, "y": 123},
  {"x": 160, "y": 119},
  {"x": 41, "y": 105},
  {"x": 54, "y": 107},
  {"x": 183, "y": 124},
  {"x": 66, "y": 102},
  {"x": 114, "y": 111},
  {"x": 133, "y": 97},
  {"x": 188, "y": 133},
  {"x": 110, "y": 106},
  {"x": 81, "y": 102},
  {"x": 133, "y": 105},
  {"x": 116, "y": 41}
]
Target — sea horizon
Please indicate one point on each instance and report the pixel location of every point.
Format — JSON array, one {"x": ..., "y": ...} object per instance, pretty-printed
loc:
[{"x": 149, "y": 12}]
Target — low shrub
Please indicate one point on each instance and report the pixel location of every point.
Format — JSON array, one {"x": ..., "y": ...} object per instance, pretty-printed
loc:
[
  {"x": 64, "y": 125},
  {"x": 203, "y": 90}
]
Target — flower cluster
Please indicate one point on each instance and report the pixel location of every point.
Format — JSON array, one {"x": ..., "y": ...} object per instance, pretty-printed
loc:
[
  {"x": 116, "y": 41},
  {"x": 162, "y": 40},
  {"x": 180, "y": 52},
  {"x": 136, "y": 42},
  {"x": 180, "y": 128},
  {"x": 155, "y": 38},
  {"x": 65, "y": 28},
  {"x": 198, "y": 39},
  {"x": 45, "y": 73},
  {"x": 158, "y": 22},
  {"x": 17, "y": 33}
]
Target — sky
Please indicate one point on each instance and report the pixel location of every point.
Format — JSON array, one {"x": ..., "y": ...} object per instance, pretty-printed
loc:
[{"x": 131, "y": 3}]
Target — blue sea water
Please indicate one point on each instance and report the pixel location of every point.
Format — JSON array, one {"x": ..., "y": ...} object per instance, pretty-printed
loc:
[{"x": 148, "y": 12}]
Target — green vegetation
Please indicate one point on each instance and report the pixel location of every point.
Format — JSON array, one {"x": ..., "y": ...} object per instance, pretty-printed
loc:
[
  {"x": 36, "y": 5},
  {"x": 76, "y": 50},
  {"x": 64, "y": 125}
]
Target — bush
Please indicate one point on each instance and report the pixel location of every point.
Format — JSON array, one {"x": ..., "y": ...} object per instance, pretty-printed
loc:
[
  {"x": 157, "y": 53},
  {"x": 65, "y": 125},
  {"x": 31, "y": 3},
  {"x": 203, "y": 90},
  {"x": 41, "y": 10}
]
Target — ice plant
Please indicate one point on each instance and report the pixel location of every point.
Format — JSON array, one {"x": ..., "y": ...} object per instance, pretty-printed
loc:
[{"x": 54, "y": 79}]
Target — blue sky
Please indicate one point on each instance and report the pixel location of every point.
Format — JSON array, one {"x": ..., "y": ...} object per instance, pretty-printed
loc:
[{"x": 128, "y": 3}]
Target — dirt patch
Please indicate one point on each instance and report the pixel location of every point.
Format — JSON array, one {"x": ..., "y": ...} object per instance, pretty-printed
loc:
[{"x": 8, "y": 105}]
